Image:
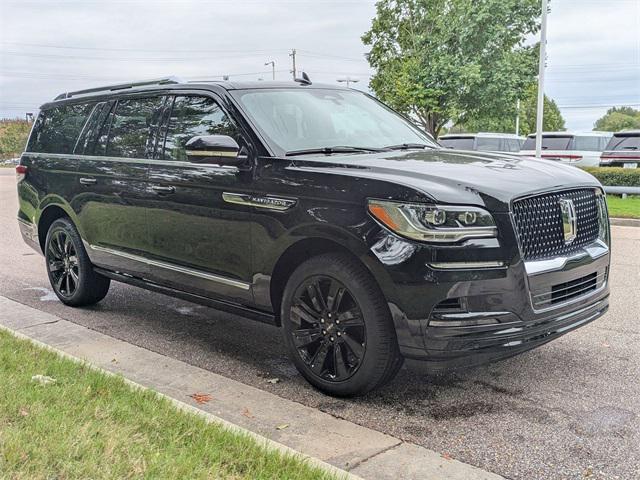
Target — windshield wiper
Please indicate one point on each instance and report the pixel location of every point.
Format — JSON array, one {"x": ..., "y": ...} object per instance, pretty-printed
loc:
[
  {"x": 407, "y": 146},
  {"x": 332, "y": 150}
]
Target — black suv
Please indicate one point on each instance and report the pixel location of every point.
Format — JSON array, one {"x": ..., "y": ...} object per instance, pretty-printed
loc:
[{"x": 317, "y": 209}]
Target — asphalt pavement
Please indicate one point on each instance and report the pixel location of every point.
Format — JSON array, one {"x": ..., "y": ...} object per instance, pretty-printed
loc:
[{"x": 570, "y": 409}]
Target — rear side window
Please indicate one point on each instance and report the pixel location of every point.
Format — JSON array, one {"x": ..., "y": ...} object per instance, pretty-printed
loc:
[
  {"x": 486, "y": 144},
  {"x": 624, "y": 142},
  {"x": 457, "y": 143},
  {"x": 193, "y": 116},
  {"x": 589, "y": 144},
  {"x": 95, "y": 130},
  {"x": 549, "y": 143},
  {"x": 134, "y": 127},
  {"x": 56, "y": 130}
]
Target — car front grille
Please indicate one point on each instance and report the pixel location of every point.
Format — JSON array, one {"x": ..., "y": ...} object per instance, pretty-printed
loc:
[{"x": 538, "y": 222}]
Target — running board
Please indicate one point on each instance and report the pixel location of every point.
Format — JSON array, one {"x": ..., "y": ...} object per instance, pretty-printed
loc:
[{"x": 224, "y": 306}]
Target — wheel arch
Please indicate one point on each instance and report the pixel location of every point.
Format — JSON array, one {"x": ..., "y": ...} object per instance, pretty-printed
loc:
[
  {"x": 50, "y": 212},
  {"x": 301, "y": 251}
]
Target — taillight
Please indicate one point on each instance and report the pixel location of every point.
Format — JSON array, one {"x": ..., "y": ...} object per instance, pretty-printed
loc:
[{"x": 21, "y": 172}]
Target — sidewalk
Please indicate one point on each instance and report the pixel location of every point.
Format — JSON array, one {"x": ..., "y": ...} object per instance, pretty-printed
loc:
[{"x": 358, "y": 450}]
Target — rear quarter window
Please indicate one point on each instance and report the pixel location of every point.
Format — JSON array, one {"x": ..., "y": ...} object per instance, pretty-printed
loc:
[
  {"x": 57, "y": 129},
  {"x": 487, "y": 144},
  {"x": 589, "y": 144}
]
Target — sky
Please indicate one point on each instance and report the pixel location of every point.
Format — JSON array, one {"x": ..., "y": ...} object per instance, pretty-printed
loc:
[{"x": 48, "y": 47}]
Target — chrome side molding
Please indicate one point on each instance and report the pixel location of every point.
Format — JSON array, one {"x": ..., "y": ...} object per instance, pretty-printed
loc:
[
  {"x": 259, "y": 201},
  {"x": 466, "y": 265},
  {"x": 175, "y": 268}
]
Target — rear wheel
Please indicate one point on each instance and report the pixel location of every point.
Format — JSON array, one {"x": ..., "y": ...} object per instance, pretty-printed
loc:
[
  {"x": 69, "y": 269},
  {"x": 337, "y": 326}
]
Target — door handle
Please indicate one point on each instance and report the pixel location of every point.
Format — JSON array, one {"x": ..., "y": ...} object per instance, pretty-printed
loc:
[
  {"x": 88, "y": 181},
  {"x": 163, "y": 190}
]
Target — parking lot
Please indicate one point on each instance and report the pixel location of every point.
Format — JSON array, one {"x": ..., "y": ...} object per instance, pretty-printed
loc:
[{"x": 570, "y": 409}]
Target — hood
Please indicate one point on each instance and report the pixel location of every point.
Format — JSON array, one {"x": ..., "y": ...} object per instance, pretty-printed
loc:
[{"x": 457, "y": 176}]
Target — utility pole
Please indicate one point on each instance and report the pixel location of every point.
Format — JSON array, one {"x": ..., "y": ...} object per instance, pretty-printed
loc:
[
  {"x": 541, "y": 69},
  {"x": 273, "y": 68},
  {"x": 518, "y": 117},
  {"x": 293, "y": 60}
]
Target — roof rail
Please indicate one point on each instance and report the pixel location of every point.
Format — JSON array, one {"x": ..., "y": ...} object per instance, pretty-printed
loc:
[{"x": 120, "y": 86}]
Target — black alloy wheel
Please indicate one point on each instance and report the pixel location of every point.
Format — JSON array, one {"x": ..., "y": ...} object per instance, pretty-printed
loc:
[
  {"x": 71, "y": 274},
  {"x": 328, "y": 328},
  {"x": 337, "y": 326},
  {"x": 62, "y": 261}
]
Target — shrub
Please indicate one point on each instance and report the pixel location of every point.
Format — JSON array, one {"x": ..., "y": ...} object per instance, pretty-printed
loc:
[
  {"x": 616, "y": 176},
  {"x": 13, "y": 137}
]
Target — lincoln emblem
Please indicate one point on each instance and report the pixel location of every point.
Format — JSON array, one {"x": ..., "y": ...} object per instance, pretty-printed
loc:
[{"x": 569, "y": 220}]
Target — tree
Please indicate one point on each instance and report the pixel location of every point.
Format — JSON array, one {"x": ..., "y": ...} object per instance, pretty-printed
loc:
[
  {"x": 506, "y": 121},
  {"x": 452, "y": 60},
  {"x": 13, "y": 137},
  {"x": 619, "y": 118}
]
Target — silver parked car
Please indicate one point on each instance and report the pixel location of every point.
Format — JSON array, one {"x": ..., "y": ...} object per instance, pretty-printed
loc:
[
  {"x": 483, "y": 142},
  {"x": 577, "y": 149}
]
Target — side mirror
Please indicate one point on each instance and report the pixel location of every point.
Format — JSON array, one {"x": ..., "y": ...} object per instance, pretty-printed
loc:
[{"x": 214, "y": 149}]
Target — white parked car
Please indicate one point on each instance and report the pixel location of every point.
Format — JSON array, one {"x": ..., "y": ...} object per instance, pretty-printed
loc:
[
  {"x": 483, "y": 142},
  {"x": 577, "y": 149},
  {"x": 623, "y": 150}
]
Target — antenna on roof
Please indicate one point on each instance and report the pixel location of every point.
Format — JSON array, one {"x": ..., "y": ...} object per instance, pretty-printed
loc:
[{"x": 305, "y": 80}]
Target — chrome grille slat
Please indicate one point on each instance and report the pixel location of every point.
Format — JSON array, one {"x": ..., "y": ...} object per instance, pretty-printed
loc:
[
  {"x": 538, "y": 222},
  {"x": 597, "y": 278},
  {"x": 561, "y": 293}
]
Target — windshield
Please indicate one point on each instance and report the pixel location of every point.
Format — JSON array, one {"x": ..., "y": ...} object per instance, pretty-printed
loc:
[{"x": 305, "y": 119}]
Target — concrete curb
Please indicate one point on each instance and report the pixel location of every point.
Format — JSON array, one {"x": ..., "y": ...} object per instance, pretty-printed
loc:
[
  {"x": 339, "y": 447},
  {"x": 625, "y": 222},
  {"x": 265, "y": 442}
]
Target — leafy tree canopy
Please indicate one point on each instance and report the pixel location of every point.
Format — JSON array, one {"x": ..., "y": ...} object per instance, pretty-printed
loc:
[
  {"x": 452, "y": 60},
  {"x": 13, "y": 137},
  {"x": 619, "y": 118},
  {"x": 506, "y": 121}
]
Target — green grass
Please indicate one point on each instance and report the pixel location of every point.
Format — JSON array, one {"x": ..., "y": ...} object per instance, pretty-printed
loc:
[
  {"x": 91, "y": 425},
  {"x": 624, "y": 208}
]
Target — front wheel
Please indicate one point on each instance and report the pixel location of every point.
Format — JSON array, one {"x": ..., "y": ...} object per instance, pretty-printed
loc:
[
  {"x": 337, "y": 326},
  {"x": 70, "y": 271}
]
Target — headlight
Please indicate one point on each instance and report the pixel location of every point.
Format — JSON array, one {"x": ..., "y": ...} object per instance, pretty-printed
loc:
[
  {"x": 603, "y": 217},
  {"x": 434, "y": 223}
]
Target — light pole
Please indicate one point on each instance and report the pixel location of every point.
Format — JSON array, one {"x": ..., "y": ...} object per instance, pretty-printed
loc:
[
  {"x": 541, "y": 68},
  {"x": 347, "y": 80},
  {"x": 273, "y": 68}
]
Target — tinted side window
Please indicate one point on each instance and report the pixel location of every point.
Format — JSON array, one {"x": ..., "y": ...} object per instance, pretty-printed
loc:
[
  {"x": 589, "y": 144},
  {"x": 512, "y": 145},
  {"x": 486, "y": 144},
  {"x": 56, "y": 129},
  {"x": 192, "y": 116},
  {"x": 96, "y": 125},
  {"x": 133, "y": 128}
]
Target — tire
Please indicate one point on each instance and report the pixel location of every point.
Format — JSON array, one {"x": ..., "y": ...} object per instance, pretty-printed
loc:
[
  {"x": 69, "y": 269},
  {"x": 337, "y": 326}
]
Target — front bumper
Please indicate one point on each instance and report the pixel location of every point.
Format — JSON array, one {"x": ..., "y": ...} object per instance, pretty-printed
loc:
[{"x": 492, "y": 313}]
